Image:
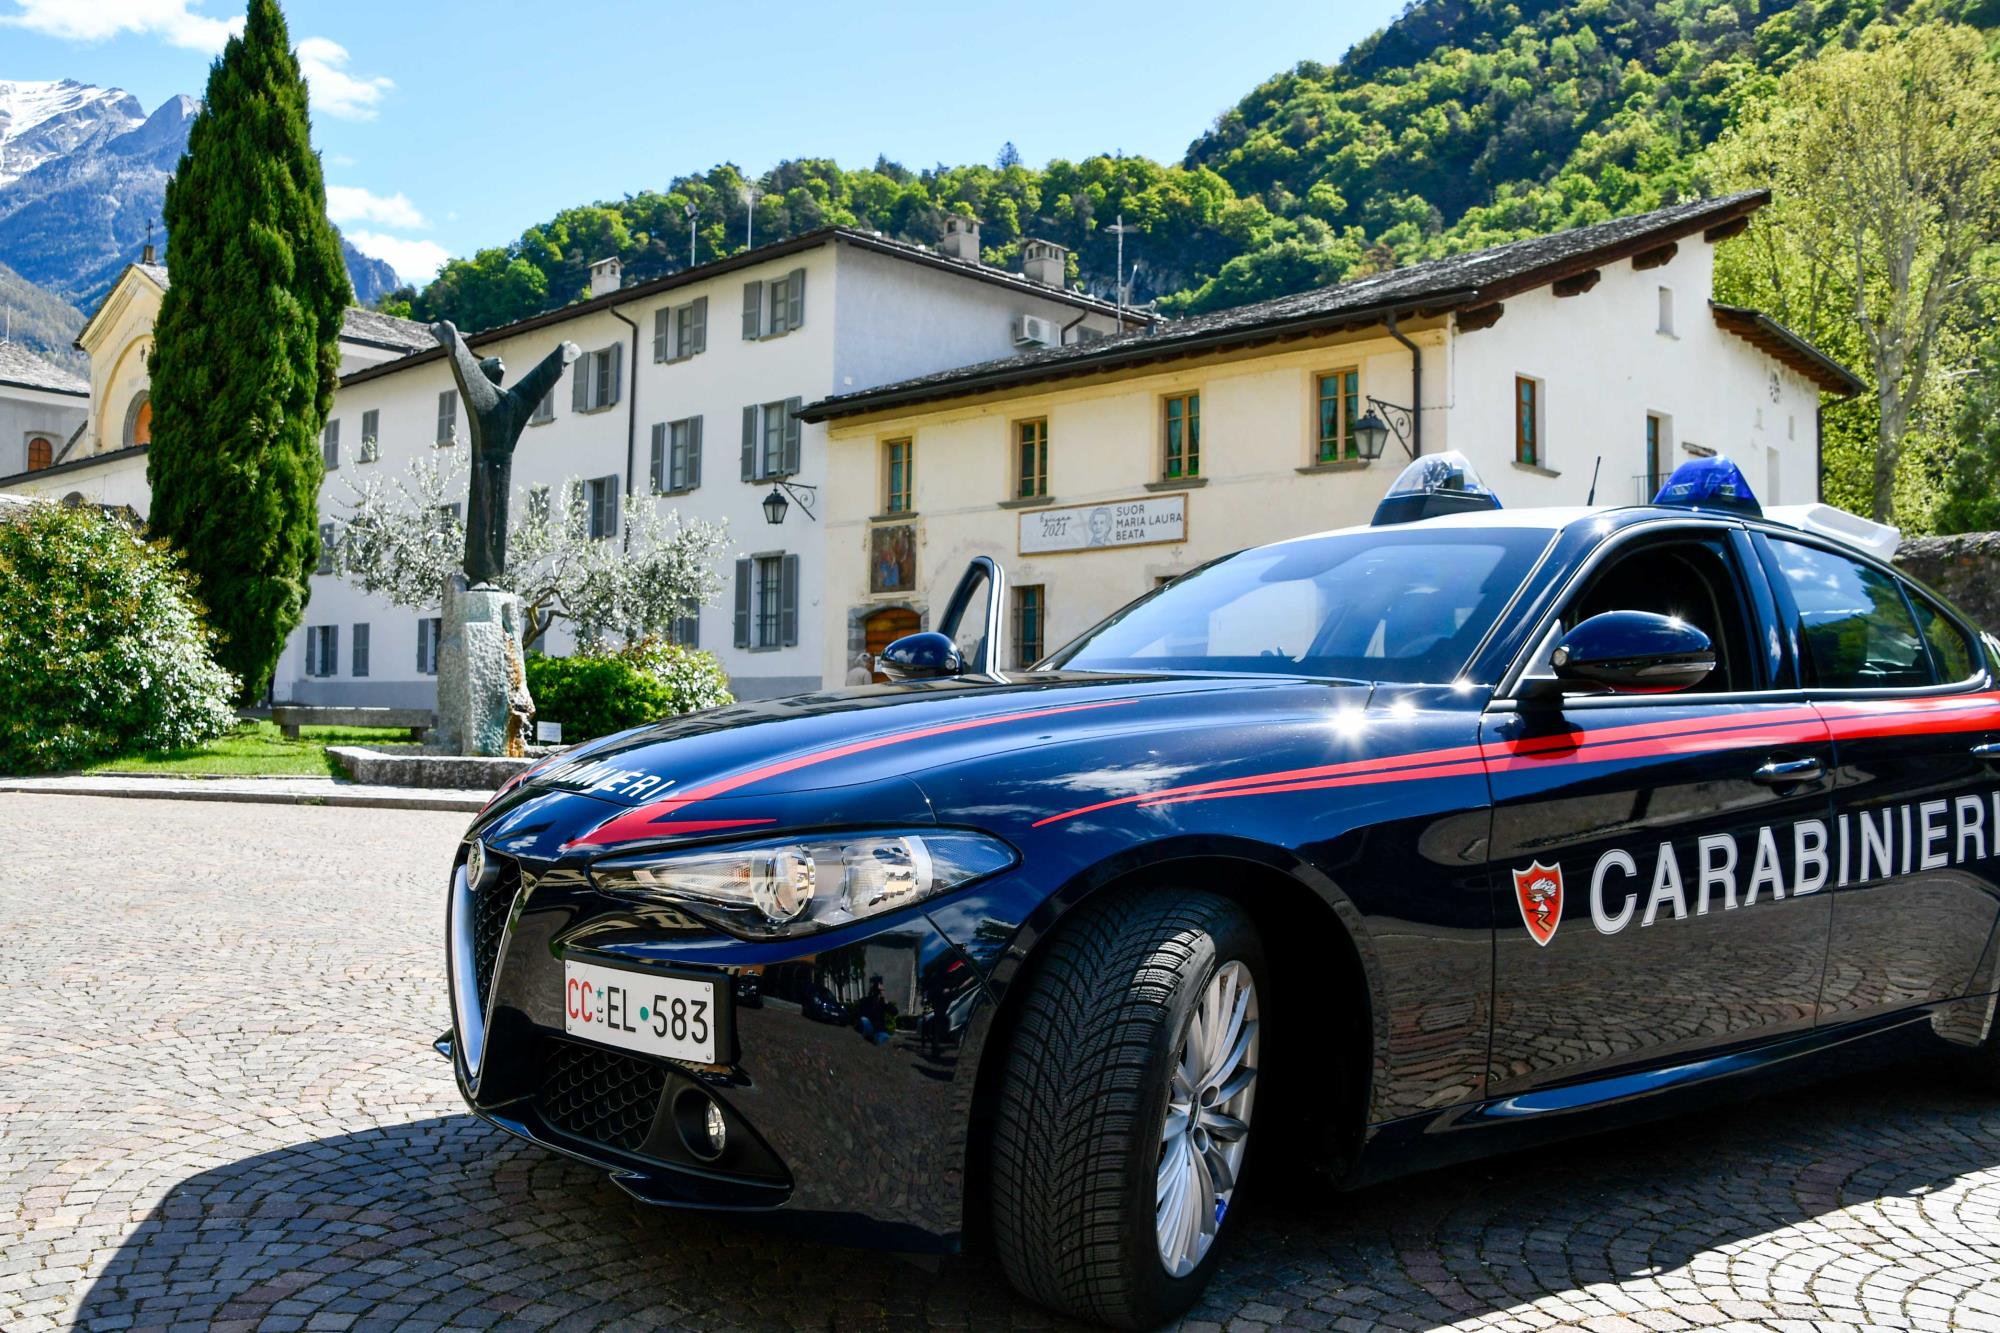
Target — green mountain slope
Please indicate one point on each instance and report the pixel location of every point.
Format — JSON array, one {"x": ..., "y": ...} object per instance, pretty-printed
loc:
[
  {"x": 41, "y": 321},
  {"x": 1462, "y": 124}
]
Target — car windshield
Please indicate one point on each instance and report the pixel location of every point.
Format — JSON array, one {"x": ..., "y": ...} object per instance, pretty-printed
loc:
[{"x": 1400, "y": 605}]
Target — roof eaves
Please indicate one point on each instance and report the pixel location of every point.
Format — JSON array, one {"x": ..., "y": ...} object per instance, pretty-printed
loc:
[
  {"x": 78, "y": 464},
  {"x": 1790, "y": 349},
  {"x": 44, "y": 388}
]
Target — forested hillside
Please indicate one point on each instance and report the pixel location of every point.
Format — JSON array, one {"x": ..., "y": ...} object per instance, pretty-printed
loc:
[{"x": 1464, "y": 123}]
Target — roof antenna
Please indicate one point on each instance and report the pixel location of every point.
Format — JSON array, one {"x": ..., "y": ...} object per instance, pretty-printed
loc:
[{"x": 1595, "y": 468}]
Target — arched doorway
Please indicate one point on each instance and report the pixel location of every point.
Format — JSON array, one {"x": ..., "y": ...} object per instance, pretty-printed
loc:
[
  {"x": 41, "y": 452},
  {"x": 139, "y": 420},
  {"x": 884, "y": 627}
]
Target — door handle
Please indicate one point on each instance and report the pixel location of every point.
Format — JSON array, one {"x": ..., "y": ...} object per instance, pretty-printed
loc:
[
  {"x": 1786, "y": 772},
  {"x": 1988, "y": 753}
]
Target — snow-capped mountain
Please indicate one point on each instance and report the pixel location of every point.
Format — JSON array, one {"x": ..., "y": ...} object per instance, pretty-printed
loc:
[{"x": 83, "y": 178}]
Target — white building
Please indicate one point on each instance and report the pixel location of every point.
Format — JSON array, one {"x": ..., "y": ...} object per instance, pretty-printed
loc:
[
  {"x": 1592, "y": 358},
  {"x": 42, "y": 408},
  {"x": 686, "y": 388}
]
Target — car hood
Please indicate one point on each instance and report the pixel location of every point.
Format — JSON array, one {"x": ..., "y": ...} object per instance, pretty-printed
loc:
[{"x": 733, "y": 769}]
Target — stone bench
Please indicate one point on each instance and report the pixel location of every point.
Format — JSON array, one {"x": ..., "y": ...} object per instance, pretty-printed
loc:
[{"x": 290, "y": 717}]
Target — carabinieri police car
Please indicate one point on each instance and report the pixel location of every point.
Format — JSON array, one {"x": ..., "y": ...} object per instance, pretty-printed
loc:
[{"x": 1367, "y": 851}]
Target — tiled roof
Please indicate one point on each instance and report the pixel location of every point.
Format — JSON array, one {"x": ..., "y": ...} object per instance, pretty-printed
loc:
[
  {"x": 1457, "y": 282},
  {"x": 357, "y": 325},
  {"x": 21, "y": 367}
]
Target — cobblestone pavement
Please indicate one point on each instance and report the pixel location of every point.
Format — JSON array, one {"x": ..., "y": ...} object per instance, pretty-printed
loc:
[{"x": 221, "y": 1109}]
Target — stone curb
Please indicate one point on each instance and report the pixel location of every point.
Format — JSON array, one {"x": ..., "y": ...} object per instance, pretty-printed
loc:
[
  {"x": 153, "y": 790},
  {"x": 435, "y": 771}
]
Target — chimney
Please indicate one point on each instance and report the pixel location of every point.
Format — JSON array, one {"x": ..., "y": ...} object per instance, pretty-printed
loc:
[
  {"x": 961, "y": 239},
  {"x": 605, "y": 276},
  {"x": 1044, "y": 262}
]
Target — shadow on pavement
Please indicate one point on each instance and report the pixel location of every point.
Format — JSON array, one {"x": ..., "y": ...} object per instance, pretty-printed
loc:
[{"x": 448, "y": 1220}]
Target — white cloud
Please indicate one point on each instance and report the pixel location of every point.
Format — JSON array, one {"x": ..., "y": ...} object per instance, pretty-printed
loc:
[
  {"x": 98, "y": 20},
  {"x": 415, "y": 262},
  {"x": 352, "y": 203},
  {"x": 350, "y": 96}
]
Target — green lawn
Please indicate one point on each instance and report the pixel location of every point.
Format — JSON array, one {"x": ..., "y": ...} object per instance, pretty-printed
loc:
[{"x": 257, "y": 749}]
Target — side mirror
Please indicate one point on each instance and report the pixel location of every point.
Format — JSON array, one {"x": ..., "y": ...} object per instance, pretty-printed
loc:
[
  {"x": 1633, "y": 652},
  {"x": 920, "y": 657}
]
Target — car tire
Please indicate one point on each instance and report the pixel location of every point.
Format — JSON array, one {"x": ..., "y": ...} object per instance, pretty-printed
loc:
[{"x": 1085, "y": 1207}]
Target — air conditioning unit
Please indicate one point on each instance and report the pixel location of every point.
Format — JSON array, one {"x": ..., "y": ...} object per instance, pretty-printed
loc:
[{"x": 1034, "y": 331}]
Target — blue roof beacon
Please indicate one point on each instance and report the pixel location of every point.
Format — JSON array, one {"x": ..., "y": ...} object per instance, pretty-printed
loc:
[
  {"x": 1434, "y": 484},
  {"x": 1710, "y": 483}
]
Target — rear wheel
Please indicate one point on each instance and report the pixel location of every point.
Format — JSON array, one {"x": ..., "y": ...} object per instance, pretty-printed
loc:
[{"x": 1127, "y": 1105}]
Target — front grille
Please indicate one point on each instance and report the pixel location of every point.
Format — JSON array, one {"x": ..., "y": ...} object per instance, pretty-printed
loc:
[
  {"x": 604, "y": 1096},
  {"x": 490, "y": 906}
]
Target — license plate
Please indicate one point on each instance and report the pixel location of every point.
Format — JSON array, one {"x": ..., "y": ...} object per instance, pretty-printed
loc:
[{"x": 673, "y": 1017}]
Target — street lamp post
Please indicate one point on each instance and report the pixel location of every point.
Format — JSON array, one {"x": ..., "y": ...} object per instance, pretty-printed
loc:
[{"x": 777, "y": 503}]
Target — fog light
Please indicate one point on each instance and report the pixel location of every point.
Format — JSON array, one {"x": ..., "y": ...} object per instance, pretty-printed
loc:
[{"x": 700, "y": 1120}]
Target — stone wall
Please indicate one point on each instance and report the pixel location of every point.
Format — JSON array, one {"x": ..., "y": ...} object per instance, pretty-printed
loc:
[{"x": 1965, "y": 568}]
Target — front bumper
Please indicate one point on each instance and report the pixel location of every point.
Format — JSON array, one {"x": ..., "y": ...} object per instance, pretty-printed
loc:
[{"x": 849, "y": 1139}]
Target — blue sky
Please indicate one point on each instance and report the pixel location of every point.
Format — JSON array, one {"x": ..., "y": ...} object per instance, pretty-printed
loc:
[{"x": 447, "y": 126}]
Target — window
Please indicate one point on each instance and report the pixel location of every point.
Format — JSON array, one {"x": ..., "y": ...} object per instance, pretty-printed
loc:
[
  {"x": 1031, "y": 448},
  {"x": 327, "y": 538},
  {"x": 139, "y": 420},
  {"x": 601, "y": 497},
  {"x": 767, "y": 601},
  {"x": 677, "y": 455},
  {"x": 774, "y": 307},
  {"x": 1527, "y": 421},
  {"x": 323, "y": 650},
  {"x": 447, "y": 423},
  {"x": 450, "y": 516},
  {"x": 1857, "y": 629},
  {"x": 597, "y": 379},
  {"x": 686, "y": 629},
  {"x": 358, "y": 654},
  {"x": 1028, "y": 614},
  {"x": 1667, "y": 311},
  {"x": 1339, "y": 395},
  {"x": 1394, "y": 604},
  {"x": 1953, "y": 656},
  {"x": 329, "y": 444},
  {"x": 371, "y": 436},
  {"x": 428, "y": 629},
  {"x": 41, "y": 453},
  {"x": 545, "y": 409},
  {"x": 681, "y": 331},
  {"x": 1655, "y": 464},
  {"x": 771, "y": 440},
  {"x": 1183, "y": 458},
  {"x": 1693, "y": 578},
  {"x": 898, "y": 464}
]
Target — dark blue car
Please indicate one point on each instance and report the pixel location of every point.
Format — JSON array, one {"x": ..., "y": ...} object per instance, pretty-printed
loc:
[{"x": 1359, "y": 853}]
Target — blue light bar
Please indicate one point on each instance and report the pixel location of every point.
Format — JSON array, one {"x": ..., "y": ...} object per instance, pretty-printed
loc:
[
  {"x": 1434, "y": 484},
  {"x": 1710, "y": 483}
]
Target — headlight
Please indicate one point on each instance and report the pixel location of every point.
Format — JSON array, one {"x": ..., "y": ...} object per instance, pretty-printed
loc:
[{"x": 797, "y": 886}]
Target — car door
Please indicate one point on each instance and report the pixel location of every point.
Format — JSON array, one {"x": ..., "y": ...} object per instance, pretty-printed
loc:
[
  {"x": 1907, "y": 695},
  {"x": 1658, "y": 860}
]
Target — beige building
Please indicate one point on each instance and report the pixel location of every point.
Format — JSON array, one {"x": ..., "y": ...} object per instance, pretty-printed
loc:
[{"x": 1569, "y": 367}]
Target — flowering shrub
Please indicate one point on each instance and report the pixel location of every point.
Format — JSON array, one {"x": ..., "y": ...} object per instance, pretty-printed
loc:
[
  {"x": 103, "y": 648},
  {"x": 694, "y": 679}
]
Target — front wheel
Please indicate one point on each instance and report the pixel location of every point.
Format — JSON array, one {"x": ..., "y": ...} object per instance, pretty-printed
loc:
[{"x": 1127, "y": 1105}]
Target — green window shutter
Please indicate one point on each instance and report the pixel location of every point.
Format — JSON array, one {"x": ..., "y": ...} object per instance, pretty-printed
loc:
[
  {"x": 750, "y": 443},
  {"x": 792, "y": 406},
  {"x": 788, "y": 602},
  {"x": 795, "y": 298},
  {"x": 663, "y": 325},
  {"x": 617, "y": 374},
  {"x": 743, "y": 575},
  {"x": 659, "y": 457},
  {"x": 698, "y": 332},
  {"x": 331, "y": 666},
  {"x": 360, "y": 650},
  {"x": 579, "y": 384},
  {"x": 753, "y": 310},
  {"x": 694, "y": 452}
]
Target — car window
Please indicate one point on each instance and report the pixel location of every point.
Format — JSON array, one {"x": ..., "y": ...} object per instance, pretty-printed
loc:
[
  {"x": 1402, "y": 606},
  {"x": 1856, "y": 627},
  {"x": 1952, "y": 654},
  {"x": 1691, "y": 578}
]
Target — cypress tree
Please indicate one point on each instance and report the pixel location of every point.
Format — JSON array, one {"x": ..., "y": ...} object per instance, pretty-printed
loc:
[{"x": 245, "y": 352}]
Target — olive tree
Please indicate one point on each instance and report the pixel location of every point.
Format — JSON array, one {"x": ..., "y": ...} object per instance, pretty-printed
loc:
[{"x": 402, "y": 539}]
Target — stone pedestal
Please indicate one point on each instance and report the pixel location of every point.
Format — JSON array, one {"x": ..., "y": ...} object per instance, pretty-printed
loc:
[{"x": 483, "y": 703}]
